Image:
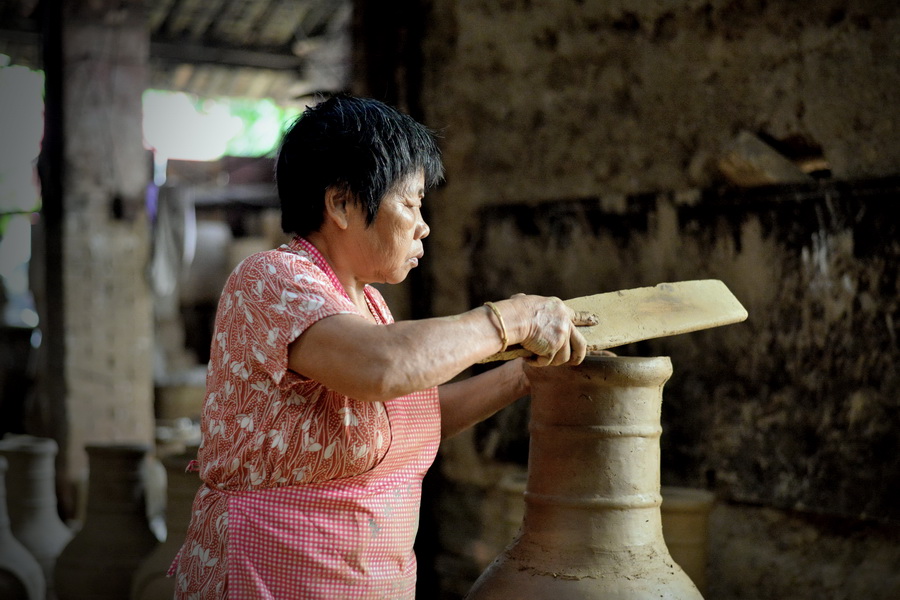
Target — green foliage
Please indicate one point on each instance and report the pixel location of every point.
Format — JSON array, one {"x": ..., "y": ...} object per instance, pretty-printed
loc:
[
  {"x": 187, "y": 126},
  {"x": 263, "y": 124}
]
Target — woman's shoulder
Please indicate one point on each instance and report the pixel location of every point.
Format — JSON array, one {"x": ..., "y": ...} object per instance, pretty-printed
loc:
[
  {"x": 281, "y": 275},
  {"x": 283, "y": 260}
]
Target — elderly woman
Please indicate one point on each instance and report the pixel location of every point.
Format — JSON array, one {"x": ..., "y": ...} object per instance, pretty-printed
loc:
[{"x": 322, "y": 414}]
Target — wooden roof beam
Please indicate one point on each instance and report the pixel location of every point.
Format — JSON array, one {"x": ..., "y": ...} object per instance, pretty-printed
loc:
[{"x": 174, "y": 51}]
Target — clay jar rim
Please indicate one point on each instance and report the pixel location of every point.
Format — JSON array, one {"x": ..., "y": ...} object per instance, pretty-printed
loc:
[
  {"x": 28, "y": 443},
  {"x": 633, "y": 371}
]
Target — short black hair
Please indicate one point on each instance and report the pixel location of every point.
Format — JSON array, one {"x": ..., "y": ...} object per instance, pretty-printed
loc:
[{"x": 356, "y": 145}]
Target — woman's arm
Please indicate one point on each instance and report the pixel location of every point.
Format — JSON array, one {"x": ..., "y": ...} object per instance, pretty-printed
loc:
[
  {"x": 380, "y": 362},
  {"x": 474, "y": 399}
]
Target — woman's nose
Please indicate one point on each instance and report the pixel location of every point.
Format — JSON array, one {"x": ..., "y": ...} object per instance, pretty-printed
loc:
[{"x": 422, "y": 229}]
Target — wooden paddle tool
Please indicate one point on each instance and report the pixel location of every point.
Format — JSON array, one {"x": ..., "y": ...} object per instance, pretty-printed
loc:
[{"x": 645, "y": 313}]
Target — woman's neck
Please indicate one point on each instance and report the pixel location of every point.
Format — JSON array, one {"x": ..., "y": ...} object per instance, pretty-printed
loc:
[{"x": 353, "y": 287}]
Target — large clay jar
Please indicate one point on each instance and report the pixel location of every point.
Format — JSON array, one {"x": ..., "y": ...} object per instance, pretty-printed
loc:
[
  {"x": 21, "y": 577},
  {"x": 32, "y": 503},
  {"x": 101, "y": 559},
  {"x": 592, "y": 527},
  {"x": 150, "y": 581}
]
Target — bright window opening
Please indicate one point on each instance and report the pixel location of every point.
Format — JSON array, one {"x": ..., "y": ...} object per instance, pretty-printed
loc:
[{"x": 185, "y": 127}]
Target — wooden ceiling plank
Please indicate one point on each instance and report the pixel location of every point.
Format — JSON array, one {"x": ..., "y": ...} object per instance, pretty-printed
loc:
[
  {"x": 241, "y": 20},
  {"x": 206, "y": 17},
  {"x": 157, "y": 13},
  {"x": 322, "y": 17},
  {"x": 181, "y": 51},
  {"x": 280, "y": 25},
  {"x": 179, "y": 17},
  {"x": 191, "y": 18}
]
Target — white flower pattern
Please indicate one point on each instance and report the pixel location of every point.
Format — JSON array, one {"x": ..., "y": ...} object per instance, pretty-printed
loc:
[
  {"x": 348, "y": 417},
  {"x": 245, "y": 422}
]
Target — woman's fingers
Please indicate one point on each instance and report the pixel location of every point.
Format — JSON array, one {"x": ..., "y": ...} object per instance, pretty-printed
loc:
[
  {"x": 543, "y": 351},
  {"x": 579, "y": 347},
  {"x": 538, "y": 361},
  {"x": 562, "y": 355},
  {"x": 584, "y": 318},
  {"x": 558, "y": 341},
  {"x": 572, "y": 351}
]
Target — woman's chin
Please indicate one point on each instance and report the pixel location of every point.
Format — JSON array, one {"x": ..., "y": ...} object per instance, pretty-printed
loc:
[
  {"x": 399, "y": 274},
  {"x": 399, "y": 278}
]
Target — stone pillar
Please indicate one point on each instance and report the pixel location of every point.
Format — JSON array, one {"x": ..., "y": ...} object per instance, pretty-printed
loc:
[{"x": 96, "y": 242}]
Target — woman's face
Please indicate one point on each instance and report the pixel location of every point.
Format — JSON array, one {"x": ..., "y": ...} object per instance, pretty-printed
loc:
[{"x": 392, "y": 245}]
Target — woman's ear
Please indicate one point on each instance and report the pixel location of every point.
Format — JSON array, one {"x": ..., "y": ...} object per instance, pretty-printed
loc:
[{"x": 337, "y": 207}]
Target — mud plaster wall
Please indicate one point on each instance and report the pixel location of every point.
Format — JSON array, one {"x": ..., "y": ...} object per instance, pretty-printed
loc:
[{"x": 580, "y": 140}]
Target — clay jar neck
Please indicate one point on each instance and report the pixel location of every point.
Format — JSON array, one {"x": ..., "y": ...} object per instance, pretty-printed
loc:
[
  {"x": 32, "y": 475},
  {"x": 116, "y": 483},
  {"x": 593, "y": 466}
]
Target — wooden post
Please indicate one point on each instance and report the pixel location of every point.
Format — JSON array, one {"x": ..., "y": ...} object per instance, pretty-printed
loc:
[{"x": 104, "y": 351}]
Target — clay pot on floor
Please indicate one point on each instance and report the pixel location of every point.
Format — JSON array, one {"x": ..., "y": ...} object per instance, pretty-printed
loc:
[
  {"x": 592, "y": 526},
  {"x": 32, "y": 502},
  {"x": 150, "y": 581},
  {"x": 100, "y": 561},
  {"x": 21, "y": 577}
]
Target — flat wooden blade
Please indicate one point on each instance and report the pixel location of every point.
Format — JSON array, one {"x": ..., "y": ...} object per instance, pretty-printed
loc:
[{"x": 645, "y": 313}]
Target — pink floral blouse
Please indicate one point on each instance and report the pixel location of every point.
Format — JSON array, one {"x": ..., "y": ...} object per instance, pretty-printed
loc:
[{"x": 306, "y": 493}]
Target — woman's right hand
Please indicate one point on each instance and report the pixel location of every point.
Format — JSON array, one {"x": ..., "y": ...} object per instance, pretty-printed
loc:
[{"x": 548, "y": 328}]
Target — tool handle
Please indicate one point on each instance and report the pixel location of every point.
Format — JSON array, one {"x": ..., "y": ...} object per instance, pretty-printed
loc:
[{"x": 508, "y": 354}]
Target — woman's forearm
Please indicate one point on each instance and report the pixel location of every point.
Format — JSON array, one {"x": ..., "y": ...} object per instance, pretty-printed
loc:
[
  {"x": 381, "y": 362},
  {"x": 472, "y": 400}
]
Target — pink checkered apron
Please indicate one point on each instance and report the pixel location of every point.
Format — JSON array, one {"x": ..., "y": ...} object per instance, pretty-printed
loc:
[{"x": 255, "y": 533}]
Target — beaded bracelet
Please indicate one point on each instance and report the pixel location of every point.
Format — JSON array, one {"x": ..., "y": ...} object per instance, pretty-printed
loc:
[{"x": 496, "y": 311}]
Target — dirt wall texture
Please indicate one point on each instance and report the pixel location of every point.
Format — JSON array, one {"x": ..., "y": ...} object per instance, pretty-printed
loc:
[
  {"x": 584, "y": 145},
  {"x": 539, "y": 100}
]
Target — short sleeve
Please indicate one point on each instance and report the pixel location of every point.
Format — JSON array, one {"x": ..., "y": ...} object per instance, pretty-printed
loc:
[{"x": 269, "y": 300}]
